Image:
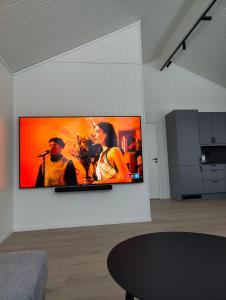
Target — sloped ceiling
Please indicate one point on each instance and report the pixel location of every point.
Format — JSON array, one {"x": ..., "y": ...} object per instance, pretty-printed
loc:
[
  {"x": 32, "y": 31},
  {"x": 206, "y": 51}
]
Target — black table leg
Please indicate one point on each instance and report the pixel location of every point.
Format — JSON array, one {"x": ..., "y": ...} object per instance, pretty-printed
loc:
[{"x": 129, "y": 296}]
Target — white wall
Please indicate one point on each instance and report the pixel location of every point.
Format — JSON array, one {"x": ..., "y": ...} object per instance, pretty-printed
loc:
[
  {"x": 101, "y": 78},
  {"x": 176, "y": 88},
  {"x": 6, "y": 121}
]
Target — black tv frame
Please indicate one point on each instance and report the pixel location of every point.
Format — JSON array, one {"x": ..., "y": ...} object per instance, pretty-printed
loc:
[{"x": 67, "y": 188}]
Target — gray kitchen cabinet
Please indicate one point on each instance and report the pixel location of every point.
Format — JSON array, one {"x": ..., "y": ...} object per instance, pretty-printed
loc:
[
  {"x": 188, "y": 146},
  {"x": 213, "y": 167},
  {"x": 213, "y": 176},
  {"x": 184, "y": 153},
  {"x": 219, "y": 127},
  {"x": 214, "y": 186},
  {"x": 190, "y": 180},
  {"x": 212, "y": 128},
  {"x": 205, "y": 128}
]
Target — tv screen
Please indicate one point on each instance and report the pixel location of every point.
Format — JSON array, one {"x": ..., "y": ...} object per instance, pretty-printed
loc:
[{"x": 67, "y": 151}]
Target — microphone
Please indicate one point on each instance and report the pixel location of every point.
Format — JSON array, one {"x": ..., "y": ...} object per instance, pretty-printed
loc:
[{"x": 44, "y": 153}]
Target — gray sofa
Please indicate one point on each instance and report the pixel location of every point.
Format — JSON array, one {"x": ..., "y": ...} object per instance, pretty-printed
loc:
[{"x": 23, "y": 275}]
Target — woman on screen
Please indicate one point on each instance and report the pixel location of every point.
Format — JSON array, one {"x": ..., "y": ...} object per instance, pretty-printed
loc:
[{"x": 111, "y": 166}]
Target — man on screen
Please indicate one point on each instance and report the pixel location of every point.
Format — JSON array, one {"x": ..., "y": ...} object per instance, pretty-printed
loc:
[{"x": 56, "y": 170}]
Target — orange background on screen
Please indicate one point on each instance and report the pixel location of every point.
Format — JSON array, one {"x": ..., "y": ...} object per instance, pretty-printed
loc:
[{"x": 36, "y": 132}]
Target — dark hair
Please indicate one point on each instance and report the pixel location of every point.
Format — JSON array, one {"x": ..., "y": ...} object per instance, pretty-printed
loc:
[
  {"x": 111, "y": 139},
  {"x": 58, "y": 141}
]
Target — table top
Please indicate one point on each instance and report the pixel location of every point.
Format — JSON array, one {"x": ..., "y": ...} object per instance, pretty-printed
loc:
[{"x": 171, "y": 266}]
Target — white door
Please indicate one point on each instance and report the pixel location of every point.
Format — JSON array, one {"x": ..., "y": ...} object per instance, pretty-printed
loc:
[{"x": 152, "y": 157}]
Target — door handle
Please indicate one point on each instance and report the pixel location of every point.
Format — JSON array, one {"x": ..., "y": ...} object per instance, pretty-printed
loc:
[{"x": 155, "y": 159}]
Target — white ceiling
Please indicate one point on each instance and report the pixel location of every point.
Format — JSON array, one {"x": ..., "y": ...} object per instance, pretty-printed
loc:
[
  {"x": 206, "y": 51},
  {"x": 32, "y": 31}
]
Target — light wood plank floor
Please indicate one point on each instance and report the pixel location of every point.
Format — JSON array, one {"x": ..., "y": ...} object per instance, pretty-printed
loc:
[{"x": 77, "y": 256}]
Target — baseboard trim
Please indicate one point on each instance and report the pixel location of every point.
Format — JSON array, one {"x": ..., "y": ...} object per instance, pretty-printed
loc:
[
  {"x": 5, "y": 236},
  {"x": 71, "y": 225}
]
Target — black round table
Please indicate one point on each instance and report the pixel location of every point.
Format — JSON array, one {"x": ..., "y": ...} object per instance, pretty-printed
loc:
[{"x": 171, "y": 266}]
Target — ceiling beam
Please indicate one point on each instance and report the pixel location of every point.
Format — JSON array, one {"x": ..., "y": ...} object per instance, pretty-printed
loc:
[{"x": 195, "y": 14}]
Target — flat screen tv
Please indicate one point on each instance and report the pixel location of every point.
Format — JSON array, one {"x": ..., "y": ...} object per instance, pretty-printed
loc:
[{"x": 70, "y": 151}]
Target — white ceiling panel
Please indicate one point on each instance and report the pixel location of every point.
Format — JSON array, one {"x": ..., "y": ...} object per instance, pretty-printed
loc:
[
  {"x": 206, "y": 47},
  {"x": 4, "y": 3},
  {"x": 32, "y": 31},
  {"x": 19, "y": 7}
]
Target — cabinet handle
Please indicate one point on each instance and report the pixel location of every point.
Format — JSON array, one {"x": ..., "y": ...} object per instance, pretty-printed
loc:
[
  {"x": 214, "y": 180},
  {"x": 213, "y": 170},
  {"x": 211, "y": 140},
  {"x": 214, "y": 140}
]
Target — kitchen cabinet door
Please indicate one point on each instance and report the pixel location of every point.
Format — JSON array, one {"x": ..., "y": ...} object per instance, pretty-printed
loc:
[
  {"x": 190, "y": 180},
  {"x": 205, "y": 128},
  {"x": 188, "y": 146},
  {"x": 219, "y": 127}
]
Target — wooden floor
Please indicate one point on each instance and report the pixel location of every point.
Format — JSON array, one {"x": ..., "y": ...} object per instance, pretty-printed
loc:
[{"x": 77, "y": 256}]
